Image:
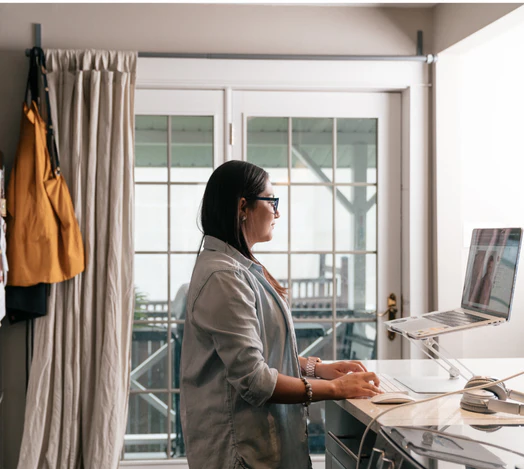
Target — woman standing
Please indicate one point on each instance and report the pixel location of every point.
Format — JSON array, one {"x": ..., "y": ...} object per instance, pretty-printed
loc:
[{"x": 244, "y": 389}]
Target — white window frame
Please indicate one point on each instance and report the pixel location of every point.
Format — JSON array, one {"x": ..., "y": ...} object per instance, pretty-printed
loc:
[{"x": 411, "y": 79}]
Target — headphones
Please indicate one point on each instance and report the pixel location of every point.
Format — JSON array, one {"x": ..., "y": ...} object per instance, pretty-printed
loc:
[{"x": 492, "y": 398}]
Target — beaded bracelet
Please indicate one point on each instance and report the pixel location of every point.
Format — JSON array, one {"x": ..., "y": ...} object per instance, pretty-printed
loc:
[{"x": 309, "y": 392}]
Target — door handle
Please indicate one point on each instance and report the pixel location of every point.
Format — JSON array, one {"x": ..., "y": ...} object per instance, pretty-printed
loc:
[{"x": 391, "y": 312}]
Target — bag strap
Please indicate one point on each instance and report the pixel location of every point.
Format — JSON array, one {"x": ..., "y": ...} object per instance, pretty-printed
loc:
[
  {"x": 51, "y": 141},
  {"x": 32, "y": 79},
  {"x": 37, "y": 71}
]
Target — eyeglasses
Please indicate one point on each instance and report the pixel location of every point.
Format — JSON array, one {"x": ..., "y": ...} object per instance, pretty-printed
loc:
[{"x": 273, "y": 200}]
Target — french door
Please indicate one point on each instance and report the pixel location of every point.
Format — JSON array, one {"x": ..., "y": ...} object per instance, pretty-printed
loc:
[{"x": 334, "y": 161}]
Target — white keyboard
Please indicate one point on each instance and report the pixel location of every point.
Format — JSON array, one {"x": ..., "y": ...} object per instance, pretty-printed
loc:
[{"x": 389, "y": 384}]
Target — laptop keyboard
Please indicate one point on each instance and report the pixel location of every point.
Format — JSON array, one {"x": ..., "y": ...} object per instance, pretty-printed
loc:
[
  {"x": 455, "y": 319},
  {"x": 388, "y": 384}
]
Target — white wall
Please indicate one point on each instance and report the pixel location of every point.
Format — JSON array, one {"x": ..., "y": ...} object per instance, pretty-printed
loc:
[
  {"x": 453, "y": 22},
  {"x": 217, "y": 28},
  {"x": 480, "y": 166}
]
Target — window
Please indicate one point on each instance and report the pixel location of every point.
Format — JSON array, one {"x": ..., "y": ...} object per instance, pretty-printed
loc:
[
  {"x": 174, "y": 159},
  {"x": 324, "y": 246}
]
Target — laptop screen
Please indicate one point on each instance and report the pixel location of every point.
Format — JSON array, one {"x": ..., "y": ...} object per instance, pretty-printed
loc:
[{"x": 492, "y": 270}]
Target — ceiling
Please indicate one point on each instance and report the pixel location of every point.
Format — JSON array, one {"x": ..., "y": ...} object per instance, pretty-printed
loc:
[{"x": 345, "y": 4}]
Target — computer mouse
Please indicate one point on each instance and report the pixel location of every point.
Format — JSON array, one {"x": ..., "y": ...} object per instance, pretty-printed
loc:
[{"x": 392, "y": 398}]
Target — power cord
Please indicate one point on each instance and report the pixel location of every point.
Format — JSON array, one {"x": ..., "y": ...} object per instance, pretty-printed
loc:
[
  {"x": 440, "y": 396},
  {"x": 462, "y": 437}
]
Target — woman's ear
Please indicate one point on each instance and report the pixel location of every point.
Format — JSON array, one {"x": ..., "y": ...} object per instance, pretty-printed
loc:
[{"x": 242, "y": 206}]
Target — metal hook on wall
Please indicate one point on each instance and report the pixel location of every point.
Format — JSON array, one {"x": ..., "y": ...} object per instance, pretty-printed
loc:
[{"x": 37, "y": 31}]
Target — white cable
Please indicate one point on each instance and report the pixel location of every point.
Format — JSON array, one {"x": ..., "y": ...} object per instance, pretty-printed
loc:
[
  {"x": 463, "y": 437},
  {"x": 440, "y": 396}
]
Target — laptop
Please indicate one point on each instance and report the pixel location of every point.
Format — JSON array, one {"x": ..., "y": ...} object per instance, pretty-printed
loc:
[{"x": 488, "y": 288}]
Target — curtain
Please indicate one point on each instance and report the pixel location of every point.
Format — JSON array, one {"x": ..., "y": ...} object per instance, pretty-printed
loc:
[{"x": 77, "y": 397}]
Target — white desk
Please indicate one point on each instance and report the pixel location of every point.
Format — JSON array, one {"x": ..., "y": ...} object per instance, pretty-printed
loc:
[{"x": 350, "y": 417}]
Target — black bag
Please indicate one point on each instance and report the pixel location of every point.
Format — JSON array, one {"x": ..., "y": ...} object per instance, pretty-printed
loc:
[{"x": 24, "y": 303}]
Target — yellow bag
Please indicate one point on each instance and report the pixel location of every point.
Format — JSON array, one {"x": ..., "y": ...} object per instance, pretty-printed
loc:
[{"x": 44, "y": 244}]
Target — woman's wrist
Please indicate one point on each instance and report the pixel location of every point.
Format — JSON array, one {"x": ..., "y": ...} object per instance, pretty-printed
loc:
[
  {"x": 303, "y": 362},
  {"x": 323, "y": 390},
  {"x": 308, "y": 366},
  {"x": 319, "y": 370},
  {"x": 311, "y": 367}
]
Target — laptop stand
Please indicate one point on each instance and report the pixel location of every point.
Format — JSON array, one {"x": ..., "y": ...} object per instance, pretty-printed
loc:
[
  {"x": 459, "y": 373},
  {"x": 430, "y": 345}
]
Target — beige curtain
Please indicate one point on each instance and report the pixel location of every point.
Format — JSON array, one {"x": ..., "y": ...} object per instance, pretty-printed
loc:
[{"x": 76, "y": 409}]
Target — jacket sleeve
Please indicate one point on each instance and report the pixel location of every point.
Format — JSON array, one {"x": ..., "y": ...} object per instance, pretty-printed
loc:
[{"x": 226, "y": 310}]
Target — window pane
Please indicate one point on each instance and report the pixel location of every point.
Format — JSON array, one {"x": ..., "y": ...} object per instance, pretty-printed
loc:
[
  {"x": 315, "y": 339},
  {"x": 357, "y": 150},
  {"x": 177, "y": 441},
  {"x": 357, "y": 341},
  {"x": 312, "y": 150},
  {"x": 316, "y": 428},
  {"x": 311, "y": 218},
  {"x": 356, "y": 285},
  {"x": 150, "y": 286},
  {"x": 146, "y": 433},
  {"x": 151, "y": 218},
  {"x": 267, "y": 145},
  {"x": 185, "y": 212},
  {"x": 356, "y": 218},
  {"x": 149, "y": 354},
  {"x": 150, "y": 148},
  {"x": 181, "y": 269},
  {"x": 371, "y": 219},
  {"x": 191, "y": 148},
  {"x": 312, "y": 286},
  {"x": 276, "y": 264}
]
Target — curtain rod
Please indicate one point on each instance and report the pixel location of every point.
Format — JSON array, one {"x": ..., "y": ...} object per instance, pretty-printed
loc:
[
  {"x": 186, "y": 55},
  {"x": 430, "y": 58},
  {"x": 419, "y": 57}
]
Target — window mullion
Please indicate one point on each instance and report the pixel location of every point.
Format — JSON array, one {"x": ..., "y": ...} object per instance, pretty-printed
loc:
[
  {"x": 334, "y": 240},
  {"x": 169, "y": 312},
  {"x": 289, "y": 153}
]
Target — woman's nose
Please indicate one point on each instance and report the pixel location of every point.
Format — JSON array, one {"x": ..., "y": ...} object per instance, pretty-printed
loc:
[{"x": 277, "y": 214}]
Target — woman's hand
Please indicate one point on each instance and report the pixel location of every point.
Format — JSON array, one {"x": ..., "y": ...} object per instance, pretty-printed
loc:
[
  {"x": 337, "y": 369},
  {"x": 359, "y": 384}
]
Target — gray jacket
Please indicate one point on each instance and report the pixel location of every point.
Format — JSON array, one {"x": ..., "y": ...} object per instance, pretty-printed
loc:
[{"x": 238, "y": 336}]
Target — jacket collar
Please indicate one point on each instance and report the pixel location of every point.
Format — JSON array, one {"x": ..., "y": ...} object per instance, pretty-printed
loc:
[{"x": 214, "y": 244}]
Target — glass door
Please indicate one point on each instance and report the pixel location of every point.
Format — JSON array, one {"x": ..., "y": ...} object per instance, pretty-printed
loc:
[{"x": 334, "y": 159}]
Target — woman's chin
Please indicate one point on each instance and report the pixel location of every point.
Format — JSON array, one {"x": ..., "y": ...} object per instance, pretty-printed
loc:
[{"x": 265, "y": 239}]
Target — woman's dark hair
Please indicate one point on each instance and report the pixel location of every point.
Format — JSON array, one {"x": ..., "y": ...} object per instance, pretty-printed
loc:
[{"x": 219, "y": 213}]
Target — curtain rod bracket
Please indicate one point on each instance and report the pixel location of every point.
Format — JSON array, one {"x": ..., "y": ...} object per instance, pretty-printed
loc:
[
  {"x": 38, "y": 34},
  {"x": 420, "y": 38}
]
